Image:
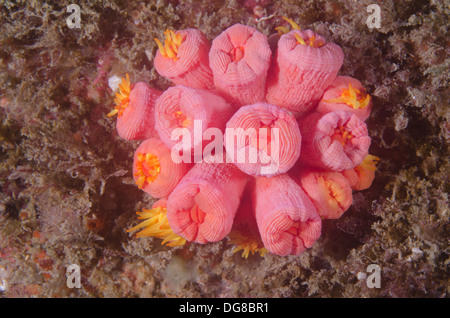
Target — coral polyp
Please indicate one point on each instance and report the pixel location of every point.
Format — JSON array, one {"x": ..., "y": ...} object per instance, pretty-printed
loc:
[
  {"x": 155, "y": 224},
  {"x": 293, "y": 143},
  {"x": 122, "y": 99},
  {"x": 147, "y": 169},
  {"x": 171, "y": 43}
]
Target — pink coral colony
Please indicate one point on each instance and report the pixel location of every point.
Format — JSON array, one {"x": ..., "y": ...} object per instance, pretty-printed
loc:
[{"x": 286, "y": 104}]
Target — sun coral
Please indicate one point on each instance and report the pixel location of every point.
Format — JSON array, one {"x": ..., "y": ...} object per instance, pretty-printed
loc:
[
  {"x": 296, "y": 144},
  {"x": 336, "y": 140},
  {"x": 180, "y": 106},
  {"x": 203, "y": 205},
  {"x": 286, "y": 217},
  {"x": 346, "y": 93},
  {"x": 155, "y": 224},
  {"x": 135, "y": 109},
  {"x": 330, "y": 191},
  {"x": 154, "y": 171},
  {"x": 305, "y": 65},
  {"x": 264, "y": 140},
  {"x": 361, "y": 177},
  {"x": 239, "y": 59},
  {"x": 183, "y": 58}
]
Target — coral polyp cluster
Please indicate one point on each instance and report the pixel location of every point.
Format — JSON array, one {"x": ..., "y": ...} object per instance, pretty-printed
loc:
[{"x": 290, "y": 142}]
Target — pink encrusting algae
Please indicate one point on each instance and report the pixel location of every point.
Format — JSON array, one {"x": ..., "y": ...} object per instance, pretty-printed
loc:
[
  {"x": 239, "y": 59},
  {"x": 154, "y": 171},
  {"x": 286, "y": 217},
  {"x": 264, "y": 140},
  {"x": 180, "y": 106},
  {"x": 305, "y": 65},
  {"x": 296, "y": 144},
  {"x": 183, "y": 58},
  {"x": 336, "y": 141},
  {"x": 329, "y": 191},
  {"x": 346, "y": 93},
  {"x": 203, "y": 205}
]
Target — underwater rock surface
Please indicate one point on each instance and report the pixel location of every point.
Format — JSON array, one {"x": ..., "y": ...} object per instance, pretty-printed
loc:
[{"x": 67, "y": 191}]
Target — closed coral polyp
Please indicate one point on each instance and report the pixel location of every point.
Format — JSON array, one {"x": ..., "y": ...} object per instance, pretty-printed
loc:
[
  {"x": 336, "y": 140},
  {"x": 274, "y": 134},
  {"x": 239, "y": 59},
  {"x": 202, "y": 206},
  {"x": 154, "y": 171},
  {"x": 287, "y": 219},
  {"x": 183, "y": 58},
  {"x": 329, "y": 191},
  {"x": 181, "y": 106},
  {"x": 147, "y": 169},
  {"x": 334, "y": 193},
  {"x": 304, "y": 66}
]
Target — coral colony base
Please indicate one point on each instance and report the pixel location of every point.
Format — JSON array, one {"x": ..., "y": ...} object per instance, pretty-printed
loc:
[{"x": 251, "y": 143}]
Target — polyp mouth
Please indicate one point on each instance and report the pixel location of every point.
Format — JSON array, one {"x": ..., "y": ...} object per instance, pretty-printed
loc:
[
  {"x": 341, "y": 135},
  {"x": 148, "y": 169},
  {"x": 237, "y": 54},
  {"x": 262, "y": 138},
  {"x": 182, "y": 120},
  {"x": 197, "y": 214}
]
